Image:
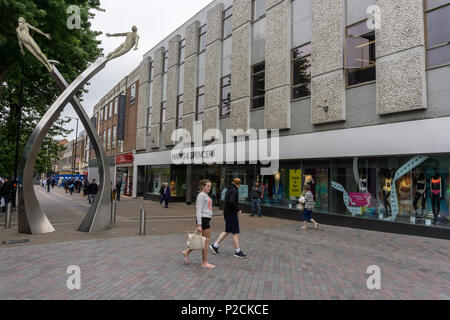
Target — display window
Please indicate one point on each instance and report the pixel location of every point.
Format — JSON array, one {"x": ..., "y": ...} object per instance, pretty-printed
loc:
[{"x": 155, "y": 177}]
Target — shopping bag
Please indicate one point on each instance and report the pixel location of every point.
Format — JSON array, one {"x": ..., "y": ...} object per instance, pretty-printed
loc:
[{"x": 196, "y": 241}]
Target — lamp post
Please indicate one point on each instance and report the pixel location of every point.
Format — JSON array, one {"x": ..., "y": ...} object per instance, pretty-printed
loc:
[{"x": 74, "y": 163}]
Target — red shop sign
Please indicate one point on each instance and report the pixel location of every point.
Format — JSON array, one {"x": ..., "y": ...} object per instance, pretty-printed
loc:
[{"x": 124, "y": 158}]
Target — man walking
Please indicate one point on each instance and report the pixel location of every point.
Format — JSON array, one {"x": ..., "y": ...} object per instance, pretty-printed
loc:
[
  {"x": 48, "y": 184},
  {"x": 166, "y": 195},
  {"x": 256, "y": 199},
  {"x": 118, "y": 189},
  {"x": 230, "y": 213},
  {"x": 92, "y": 190}
]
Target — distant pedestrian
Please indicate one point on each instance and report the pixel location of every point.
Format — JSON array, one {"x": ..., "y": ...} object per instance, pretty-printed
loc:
[
  {"x": 309, "y": 207},
  {"x": 6, "y": 193},
  {"x": 48, "y": 184},
  {"x": 92, "y": 190},
  {"x": 53, "y": 183},
  {"x": 161, "y": 194},
  {"x": 204, "y": 212},
  {"x": 118, "y": 189},
  {"x": 230, "y": 213},
  {"x": 71, "y": 187},
  {"x": 256, "y": 199},
  {"x": 166, "y": 195}
]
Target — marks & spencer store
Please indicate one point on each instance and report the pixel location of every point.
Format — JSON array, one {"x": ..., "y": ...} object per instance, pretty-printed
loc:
[{"x": 400, "y": 193}]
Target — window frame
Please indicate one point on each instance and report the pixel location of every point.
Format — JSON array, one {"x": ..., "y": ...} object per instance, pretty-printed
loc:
[
  {"x": 114, "y": 138},
  {"x": 196, "y": 103},
  {"x": 149, "y": 120},
  {"x": 221, "y": 96},
  {"x": 200, "y": 34},
  {"x": 133, "y": 98},
  {"x": 292, "y": 72},
  {"x": 347, "y": 86},
  {"x": 165, "y": 61},
  {"x": 162, "y": 127},
  {"x": 253, "y": 74},
  {"x": 182, "y": 45},
  {"x": 253, "y": 12},
  {"x": 427, "y": 49},
  {"x": 224, "y": 18},
  {"x": 179, "y": 120}
]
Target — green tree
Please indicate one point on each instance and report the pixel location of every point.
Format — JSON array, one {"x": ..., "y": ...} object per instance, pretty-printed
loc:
[{"x": 74, "y": 49}]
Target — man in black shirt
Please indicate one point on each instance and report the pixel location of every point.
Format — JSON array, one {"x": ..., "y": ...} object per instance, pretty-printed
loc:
[
  {"x": 6, "y": 192},
  {"x": 230, "y": 214},
  {"x": 92, "y": 190}
]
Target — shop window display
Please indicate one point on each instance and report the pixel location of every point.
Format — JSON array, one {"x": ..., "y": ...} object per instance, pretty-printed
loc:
[{"x": 155, "y": 178}]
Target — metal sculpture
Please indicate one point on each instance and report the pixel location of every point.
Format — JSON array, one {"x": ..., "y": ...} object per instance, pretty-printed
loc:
[{"x": 32, "y": 220}]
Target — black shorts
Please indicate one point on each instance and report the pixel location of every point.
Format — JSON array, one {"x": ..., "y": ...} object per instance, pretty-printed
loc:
[
  {"x": 232, "y": 224},
  {"x": 206, "y": 223}
]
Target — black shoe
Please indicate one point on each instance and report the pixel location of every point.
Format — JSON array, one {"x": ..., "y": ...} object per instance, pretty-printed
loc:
[
  {"x": 241, "y": 255},
  {"x": 214, "y": 249}
]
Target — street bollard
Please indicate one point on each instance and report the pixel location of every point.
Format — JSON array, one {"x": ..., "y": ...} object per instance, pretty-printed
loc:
[
  {"x": 8, "y": 216},
  {"x": 113, "y": 211},
  {"x": 142, "y": 227}
]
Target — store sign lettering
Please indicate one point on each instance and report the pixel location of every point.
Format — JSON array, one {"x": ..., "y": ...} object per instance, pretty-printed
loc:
[{"x": 295, "y": 183}]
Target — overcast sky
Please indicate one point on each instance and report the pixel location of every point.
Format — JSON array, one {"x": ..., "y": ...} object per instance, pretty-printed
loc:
[{"x": 155, "y": 19}]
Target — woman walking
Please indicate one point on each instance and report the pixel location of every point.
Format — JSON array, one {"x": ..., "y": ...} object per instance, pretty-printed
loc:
[
  {"x": 204, "y": 206},
  {"x": 309, "y": 207}
]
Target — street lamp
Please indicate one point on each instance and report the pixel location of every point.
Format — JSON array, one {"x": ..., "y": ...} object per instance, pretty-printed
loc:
[{"x": 74, "y": 163}]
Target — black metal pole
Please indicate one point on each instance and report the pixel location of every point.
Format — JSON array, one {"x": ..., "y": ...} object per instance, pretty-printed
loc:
[{"x": 76, "y": 143}]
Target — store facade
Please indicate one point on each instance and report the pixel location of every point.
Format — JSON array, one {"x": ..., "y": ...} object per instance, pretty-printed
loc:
[{"x": 124, "y": 173}]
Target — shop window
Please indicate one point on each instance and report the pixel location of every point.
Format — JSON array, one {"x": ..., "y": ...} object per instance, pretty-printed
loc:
[
  {"x": 227, "y": 23},
  {"x": 182, "y": 53},
  {"x": 258, "y": 9},
  {"x": 202, "y": 39},
  {"x": 258, "y": 85},
  {"x": 155, "y": 178},
  {"x": 301, "y": 72},
  {"x": 225, "y": 96},
  {"x": 438, "y": 32},
  {"x": 199, "y": 114},
  {"x": 163, "y": 115},
  {"x": 360, "y": 56},
  {"x": 180, "y": 111}
]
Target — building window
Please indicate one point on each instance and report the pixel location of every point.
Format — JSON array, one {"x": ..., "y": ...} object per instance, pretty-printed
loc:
[
  {"x": 133, "y": 93},
  {"x": 182, "y": 53},
  {"x": 149, "y": 120},
  {"x": 438, "y": 32},
  {"x": 258, "y": 85},
  {"x": 104, "y": 139},
  {"x": 258, "y": 9},
  {"x": 150, "y": 74},
  {"x": 165, "y": 61},
  {"x": 102, "y": 115},
  {"x": 225, "y": 96},
  {"x": 180, "y": 100},
  {"x": 360, "y": 55},
  {"x": 163, "y": 115},
  {"x": 227, "y": 28},
  {"x": 114, "y": 137},
  {"x": 199, "y": 112},
  {"x": 110, "y": 111},
  {"x": 108, "y": 139},
  {"x": 116, "y": 105},
  {"x": 202, "y": 39},
  {"x": 301, "y": 72}
]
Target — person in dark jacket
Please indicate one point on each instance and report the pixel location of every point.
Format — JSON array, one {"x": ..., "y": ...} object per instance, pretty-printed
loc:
[
  {"x": 161, "y": 194},
  {"x": 118, "y": 189},
  {"x": 230, "y": 214},
  {"x": 6, "y": 192},
  {"x": 166, "y": 195},
  {"x": 256, "y": 199},
  {"x": 92, "y": 190},
  {"x": 48, "y": 184}
]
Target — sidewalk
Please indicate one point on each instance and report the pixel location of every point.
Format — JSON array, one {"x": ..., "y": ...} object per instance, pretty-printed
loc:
[{"x": 283, "y": 264}]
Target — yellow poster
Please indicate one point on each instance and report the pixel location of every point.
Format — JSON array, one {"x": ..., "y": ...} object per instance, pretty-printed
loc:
[{"x": 295, "y": 183}]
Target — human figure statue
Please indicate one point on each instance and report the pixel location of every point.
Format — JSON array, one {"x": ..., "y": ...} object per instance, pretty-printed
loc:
[
  {"x": 23, "y": 35},
  {"x": 132, "y": 39}
]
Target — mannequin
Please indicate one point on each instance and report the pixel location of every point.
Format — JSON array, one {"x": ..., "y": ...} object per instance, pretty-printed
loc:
[
  {"x": 387, "y": 187},
  {"x": 420, "y": 182},
  {"x": 437, "y": 193},
  {"x": 405, "y": 193}
]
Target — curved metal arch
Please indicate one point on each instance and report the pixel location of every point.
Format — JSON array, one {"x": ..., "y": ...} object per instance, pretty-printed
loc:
[{"x": 32, "y": 219}]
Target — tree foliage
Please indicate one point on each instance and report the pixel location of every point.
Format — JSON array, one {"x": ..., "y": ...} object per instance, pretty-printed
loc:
[{"x": 74, "y": 49}]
